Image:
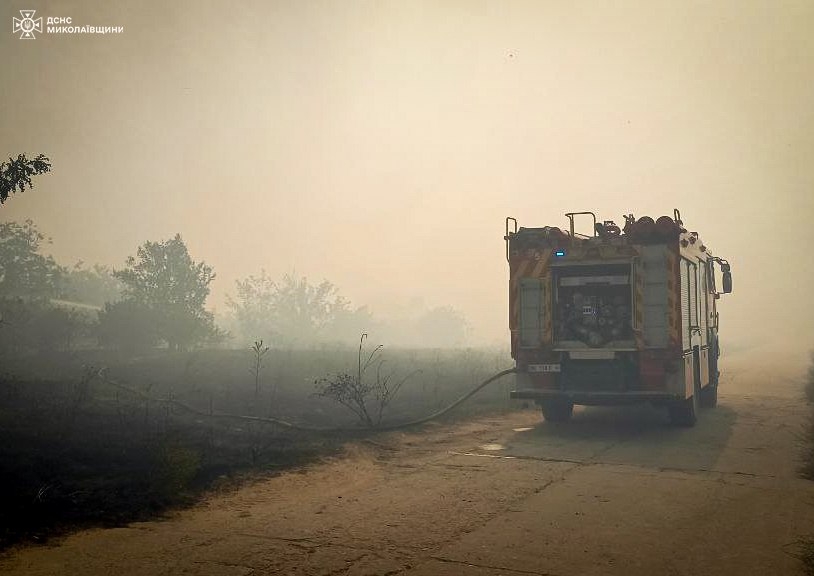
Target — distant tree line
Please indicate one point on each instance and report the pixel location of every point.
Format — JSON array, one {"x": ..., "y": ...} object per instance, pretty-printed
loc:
[
  {"x": 157, "y": 300},
  {"x": 292, "y": 312}
]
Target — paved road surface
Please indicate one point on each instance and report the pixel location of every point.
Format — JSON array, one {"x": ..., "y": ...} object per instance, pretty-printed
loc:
[{"x": 617, "y": 491}]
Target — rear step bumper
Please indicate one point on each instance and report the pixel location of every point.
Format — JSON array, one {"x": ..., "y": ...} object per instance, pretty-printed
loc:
[{"x": 596, "y": 398}]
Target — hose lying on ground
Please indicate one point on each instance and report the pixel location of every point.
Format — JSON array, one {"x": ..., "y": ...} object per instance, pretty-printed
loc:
[{"x": 269, "y": 420}]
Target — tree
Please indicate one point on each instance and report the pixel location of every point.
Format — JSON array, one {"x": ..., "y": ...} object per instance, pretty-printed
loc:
[
  {"x": 303, "y": 311},
  {"x": 128, "y": 326},
  {"x": 442, "y": 327},
  {"x": 55, "y": 328},
  {"x": 29, "y": 283},
  {"x": 253, "y": 309},
  {"x": 95, "y": 286},
  {"x": 346, "y": 322},
  {"x": 24, "y": 271},
  {"x": 15, "y": 175},
  {"x": 164, "y": 279},
  {"x": 295, "y": 311}
]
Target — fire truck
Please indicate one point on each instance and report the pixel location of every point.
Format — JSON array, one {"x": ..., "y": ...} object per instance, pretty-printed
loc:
[{"x": 615, "y": 316}]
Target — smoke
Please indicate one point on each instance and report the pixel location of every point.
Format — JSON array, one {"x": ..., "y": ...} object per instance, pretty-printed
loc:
[{"x": 381, "y": 146}]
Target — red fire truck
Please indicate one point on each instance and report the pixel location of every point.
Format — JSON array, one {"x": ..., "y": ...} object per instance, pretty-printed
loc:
[{"x": 615, "y": 316}]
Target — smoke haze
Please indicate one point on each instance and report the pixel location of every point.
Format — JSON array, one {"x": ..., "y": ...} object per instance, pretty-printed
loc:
[{"x": 380, "y": 145}]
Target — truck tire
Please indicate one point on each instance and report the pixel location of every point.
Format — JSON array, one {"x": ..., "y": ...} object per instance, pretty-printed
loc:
[
  {"x": 557, "y": 409},
  {"x": 684, "y": 413}
]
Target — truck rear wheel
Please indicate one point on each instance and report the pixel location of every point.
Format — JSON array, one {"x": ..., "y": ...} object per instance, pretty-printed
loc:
[{"x": 557, "y": 409}]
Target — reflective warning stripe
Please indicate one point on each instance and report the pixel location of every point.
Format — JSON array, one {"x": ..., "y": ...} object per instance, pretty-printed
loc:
[
  {"x": 548, "y": 331},
  {"x": 519, "y": 270},
  {"x": 638, "y": 307},
  {"x": 528, "y": 268},
  {"x": 538, "y": 269},
  {"x": 673, "y": 299},
  {"x": 541, "y": 271}
]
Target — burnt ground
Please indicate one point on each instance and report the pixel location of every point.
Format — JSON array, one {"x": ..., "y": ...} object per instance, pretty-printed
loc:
[
  {"x": 614, "y": 491},
  {"x": 67, "y": 464},
  {"x": 76, "y": 452}
]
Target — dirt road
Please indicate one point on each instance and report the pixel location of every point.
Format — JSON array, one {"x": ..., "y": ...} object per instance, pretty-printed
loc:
[{"x": 617, "y": 491}]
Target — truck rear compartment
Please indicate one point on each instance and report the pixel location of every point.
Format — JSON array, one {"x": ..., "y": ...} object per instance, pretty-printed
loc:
[
  {"x": 618, "y": 316},
  {"x": 593, "y": 306},
  {"x": 593, "y": 347}
]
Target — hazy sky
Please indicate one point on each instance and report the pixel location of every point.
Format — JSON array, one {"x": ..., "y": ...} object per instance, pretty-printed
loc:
[{"x": 381, "y": 144}]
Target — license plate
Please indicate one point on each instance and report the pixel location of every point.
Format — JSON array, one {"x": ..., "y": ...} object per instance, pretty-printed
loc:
[{"x": 544, "y": 367}]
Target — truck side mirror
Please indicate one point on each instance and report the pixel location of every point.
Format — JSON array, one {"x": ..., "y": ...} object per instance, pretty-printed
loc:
[{"x": 727, "y": 281}]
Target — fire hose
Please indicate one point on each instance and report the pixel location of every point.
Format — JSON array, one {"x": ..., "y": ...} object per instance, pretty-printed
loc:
[{"x": 292, "y": 426}]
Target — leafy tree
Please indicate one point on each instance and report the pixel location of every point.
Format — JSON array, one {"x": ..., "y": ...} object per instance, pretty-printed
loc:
[
  {"x": 55, "y": 328},
  {"x": 128, "y": 326},
  {"x": 304, "y": 311},
  {"x": 29, "y": 284},
  {"x": 92, "y": 285},
  {"x": 27, "y": 325},
  {"x": 347, "y": 322},
  {"x": 24, "y": 271},
  {"x": 295, "y": 311},
  {"x": 254, "y": 308},
  {"x": 442, "y": 327},
  {"x": 16, "y": 316},
  {"x": 15, "y": 175},
  {"x": 163, "y": 279}
]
